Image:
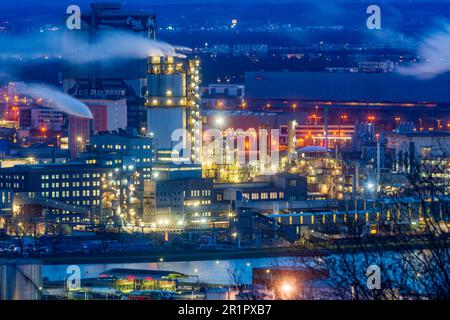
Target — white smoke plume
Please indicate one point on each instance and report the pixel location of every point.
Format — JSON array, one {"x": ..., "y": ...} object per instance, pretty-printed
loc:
[
  {"x": 76, "y": 47},
  {"x": 54, "y": 98},
  {"x": 111, "y": 45},
  {"x": 434, "y": 55}
]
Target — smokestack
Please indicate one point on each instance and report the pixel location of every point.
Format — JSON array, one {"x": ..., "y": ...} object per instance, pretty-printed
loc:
[
  {"x": 291, "y": 136},
  {"x": 325, "y": 110},
  {"x": 378, "y": 164}
]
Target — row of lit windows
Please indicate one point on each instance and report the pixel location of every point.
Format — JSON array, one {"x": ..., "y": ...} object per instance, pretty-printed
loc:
[
  {"x": 84, "y": 202},
  {"x": 197, "y": 193},
  {"x": 69, "y": 219},
  {"x": 67, "y": 184},
  {"x": 264, "y": 195},
  {"x": 14, "y": 177},
  {"x": 67, "y": 176},
  {"x": 334, "y": 218},
  {"x": 144, "y": 160},
  {"x": 202, "y": 214},
  {"x": 197, "y": 202},
  {"x": 168, "y": 102},
  {"x": 110, "y": 146},
  {"x": 9, "y": 185},
  {"x": 66, "y": 194}
]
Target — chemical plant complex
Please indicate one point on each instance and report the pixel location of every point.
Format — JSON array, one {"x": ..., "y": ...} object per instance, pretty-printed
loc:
[{"x": 138, "y": 158}]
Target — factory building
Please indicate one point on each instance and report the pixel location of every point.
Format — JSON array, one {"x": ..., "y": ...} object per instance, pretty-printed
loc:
[
  {"x": 273, "y": 189},
  {"x": 413, "y": 147},
  {"x": 425, "y": 154},
  {"x": 344, "y": 98},
  {"x": 314, "y": 135},
  {"x": 41, "y": 119},
  {"x": 223, "y": 96},
  {"x": 173, "y": 102},
  {"x": 119, "y": 149},
  {"x": 185, "y": 199},
  {"x": 108, "y": 115},
  {"x": 66, "y": 191},
  {"x": 124, "y": 78},
  {"x": 343, "y": 88},
  {"x": 326, "y": 176}
]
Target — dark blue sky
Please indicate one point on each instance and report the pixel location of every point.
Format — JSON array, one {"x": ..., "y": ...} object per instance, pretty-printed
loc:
[
  {"x": 21, "y": 5},
  {"x": 159, "y": 2}
]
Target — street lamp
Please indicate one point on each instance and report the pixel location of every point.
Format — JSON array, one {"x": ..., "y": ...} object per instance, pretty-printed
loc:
[{"x": 287, "y": 290}]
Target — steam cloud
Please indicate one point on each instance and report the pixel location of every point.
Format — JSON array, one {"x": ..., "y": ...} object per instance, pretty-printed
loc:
[
  {"x": 76, "y": 47},
  {"x": 115, "y": 45},
  {"x": 56, "y": 99},
  {"x": 434, "y": 54}
]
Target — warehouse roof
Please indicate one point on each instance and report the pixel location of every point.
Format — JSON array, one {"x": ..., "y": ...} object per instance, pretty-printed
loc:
[{"x": 361, "y": 87}]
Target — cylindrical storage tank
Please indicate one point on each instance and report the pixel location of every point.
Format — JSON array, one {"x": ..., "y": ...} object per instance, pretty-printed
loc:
[{"x": 20, "y": 279}]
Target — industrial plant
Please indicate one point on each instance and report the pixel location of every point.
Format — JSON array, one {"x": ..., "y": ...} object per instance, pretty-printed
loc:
[{"x": 152, "y": 155}]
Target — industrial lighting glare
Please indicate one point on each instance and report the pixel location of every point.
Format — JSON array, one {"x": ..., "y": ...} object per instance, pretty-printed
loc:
[
  {"x": 287, "y": 288},
  {"x": 370, "y": 186},
  {"x": 220, "y": 121}
]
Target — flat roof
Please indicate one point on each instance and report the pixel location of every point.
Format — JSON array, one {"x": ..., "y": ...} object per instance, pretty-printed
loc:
[
  {"x": 108, "y": 134},
  {"x": 348, "y": 87},
  {"x": 140, "y": 273},
  {"x": 52, "y": 166},
  {"x": 420, "y": 134}
]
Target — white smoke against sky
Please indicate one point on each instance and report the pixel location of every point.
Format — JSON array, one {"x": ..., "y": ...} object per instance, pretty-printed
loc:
[
  {"x": 54, "y": 98},
  {"x": 111, "y": 45},
  {"x": 76, "y": 47},
  {"x": 434, "y": 55}
]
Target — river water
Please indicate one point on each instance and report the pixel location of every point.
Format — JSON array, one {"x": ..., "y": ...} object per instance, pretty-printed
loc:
[{"x": 209, "y": 271}]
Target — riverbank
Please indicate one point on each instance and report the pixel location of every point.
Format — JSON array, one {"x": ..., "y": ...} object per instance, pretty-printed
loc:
[
  {"x": 167, "y": 256},
  {"x": 204, "y": 254}
]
